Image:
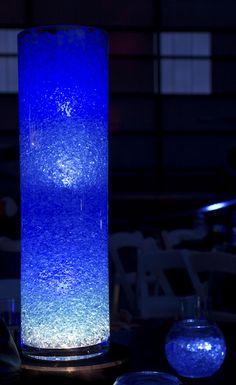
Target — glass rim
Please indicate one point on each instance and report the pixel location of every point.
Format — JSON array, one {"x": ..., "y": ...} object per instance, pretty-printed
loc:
[
  {"x": 196, "y": 322},
  {"x": 159, "y": 375},
  {"x": 52, "y": 28}
]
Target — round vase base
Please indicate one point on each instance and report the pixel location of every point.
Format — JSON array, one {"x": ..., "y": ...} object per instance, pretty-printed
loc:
[
  {"x": 63, "y": 355},
  {"x": 116, "y": 356}
]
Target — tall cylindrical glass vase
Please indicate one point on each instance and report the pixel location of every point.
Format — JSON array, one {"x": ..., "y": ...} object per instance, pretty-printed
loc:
[{"x": 63, "y": 105}]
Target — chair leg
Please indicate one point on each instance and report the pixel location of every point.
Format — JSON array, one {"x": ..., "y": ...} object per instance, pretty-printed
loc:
[{"x": 115, "y": 301}]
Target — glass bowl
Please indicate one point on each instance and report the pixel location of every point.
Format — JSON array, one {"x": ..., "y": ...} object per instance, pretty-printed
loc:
[{"x": 195, "y": 348}]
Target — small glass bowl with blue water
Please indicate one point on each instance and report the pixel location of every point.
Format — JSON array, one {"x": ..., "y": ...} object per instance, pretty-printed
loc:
[
  {"x": 195, "y": 348},
  {"x": 147, "y": 377}
]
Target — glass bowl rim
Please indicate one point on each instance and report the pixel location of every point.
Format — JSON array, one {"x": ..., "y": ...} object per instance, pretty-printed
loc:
[
  {"x": 198, "y": 323},
  {"x": 158, "y": 374}
]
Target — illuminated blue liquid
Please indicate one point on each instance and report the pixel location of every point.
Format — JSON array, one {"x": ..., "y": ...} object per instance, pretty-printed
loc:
[
  {"x": 63, "y": 160},
  {"x": 196, "y": 350}
]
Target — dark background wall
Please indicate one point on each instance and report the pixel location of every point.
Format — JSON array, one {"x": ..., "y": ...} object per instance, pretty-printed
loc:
[{"x": 171, "y": 150}]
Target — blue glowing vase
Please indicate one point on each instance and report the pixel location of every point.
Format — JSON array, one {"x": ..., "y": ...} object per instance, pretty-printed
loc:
[
  {"x": 195, "y": 348},
  {"x": 63, "y": 105}
]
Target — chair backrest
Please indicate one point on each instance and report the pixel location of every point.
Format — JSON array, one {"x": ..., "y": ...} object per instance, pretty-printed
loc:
[
  {"x": 124, "y": 278},
  {"x": 156, "y": 293},
  {"x": 212, "y": 261},
  {"x": 125, "y": 250},
  {"x": 172, "y": 238}
]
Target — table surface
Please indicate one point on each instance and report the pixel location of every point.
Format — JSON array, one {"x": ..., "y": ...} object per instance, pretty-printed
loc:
[{"x": 134, "y": 347}]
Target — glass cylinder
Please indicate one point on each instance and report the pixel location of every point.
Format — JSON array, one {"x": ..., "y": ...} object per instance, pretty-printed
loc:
[
  {"x": 195, "y": 348},
  {"x": 63, "y": 108}
]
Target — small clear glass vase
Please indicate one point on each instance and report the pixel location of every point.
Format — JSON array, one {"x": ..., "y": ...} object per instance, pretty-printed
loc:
[{"x": 195, "y": 347}]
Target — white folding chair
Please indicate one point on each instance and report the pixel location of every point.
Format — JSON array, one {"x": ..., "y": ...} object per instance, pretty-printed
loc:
[{"x": 209, "y": 270}]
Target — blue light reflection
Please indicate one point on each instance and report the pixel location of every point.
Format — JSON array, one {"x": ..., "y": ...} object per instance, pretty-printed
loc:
[{"x": 218, "y": 206}]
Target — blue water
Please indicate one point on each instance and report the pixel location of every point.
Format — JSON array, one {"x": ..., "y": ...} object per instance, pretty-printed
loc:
[
  {"x": 196, "y": 357},
  {"x": 63, "y": 162}
]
